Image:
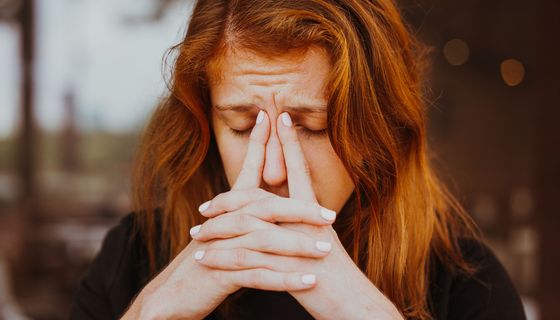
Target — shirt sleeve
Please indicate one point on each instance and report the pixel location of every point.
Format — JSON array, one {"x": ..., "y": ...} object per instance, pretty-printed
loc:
[
  {"x": 99, "y": 295},
  {"x": 488, "y": 293}
]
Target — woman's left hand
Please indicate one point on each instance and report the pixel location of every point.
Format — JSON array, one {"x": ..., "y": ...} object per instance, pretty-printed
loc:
[{"x": 342, "y": 291}]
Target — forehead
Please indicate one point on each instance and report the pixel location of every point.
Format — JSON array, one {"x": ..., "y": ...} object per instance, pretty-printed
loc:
[
  {"x": 293, "y": 78},
  {"x": 240, "y": 61}
]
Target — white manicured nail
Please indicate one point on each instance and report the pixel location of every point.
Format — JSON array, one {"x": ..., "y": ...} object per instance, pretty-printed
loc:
[
  {"x": 194, "y": 230},
  {"x": 308, "y": 278},
  {"x": 323, "y": 246},
  {"x": 199, "y": 255},
  {"x": 286, "y": 120},
  {"x": 204, "y": 206},
  {"x": 328, "y": 214},
  {"x": 260, "y": 116}
]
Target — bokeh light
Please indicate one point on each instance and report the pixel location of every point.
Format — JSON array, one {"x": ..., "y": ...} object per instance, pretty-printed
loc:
[
  {"x": 512, "y": 71},
  {"x": 456, "y": 52}
]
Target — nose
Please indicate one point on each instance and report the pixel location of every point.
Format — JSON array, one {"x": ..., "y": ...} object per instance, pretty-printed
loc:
[{"x": 274, "y": 171}]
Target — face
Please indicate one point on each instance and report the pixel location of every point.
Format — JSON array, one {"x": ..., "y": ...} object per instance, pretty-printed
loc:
[{"x": 247, "y": 83}]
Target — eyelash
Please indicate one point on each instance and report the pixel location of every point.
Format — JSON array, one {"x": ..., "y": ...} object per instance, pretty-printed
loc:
[{"x": 304, "y": 131}]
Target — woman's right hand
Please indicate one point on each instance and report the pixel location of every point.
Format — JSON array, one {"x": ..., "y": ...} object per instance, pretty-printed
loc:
[{"x": 186, "y": 289}]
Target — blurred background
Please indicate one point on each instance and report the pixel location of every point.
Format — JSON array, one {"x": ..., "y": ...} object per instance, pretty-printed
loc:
[{"x": 79, "y": 79}]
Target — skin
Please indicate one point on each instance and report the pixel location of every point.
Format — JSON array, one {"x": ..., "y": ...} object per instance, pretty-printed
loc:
[
  {"x": 275, "y": 86},
  {"x": 273, "y": 229}
]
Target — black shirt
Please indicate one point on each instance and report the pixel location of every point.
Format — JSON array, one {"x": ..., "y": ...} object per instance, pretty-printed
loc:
[{"x": 120, "y": 271}]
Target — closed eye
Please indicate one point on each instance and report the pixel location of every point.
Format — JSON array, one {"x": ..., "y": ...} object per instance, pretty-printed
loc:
[{"x": 307, "y": 133}]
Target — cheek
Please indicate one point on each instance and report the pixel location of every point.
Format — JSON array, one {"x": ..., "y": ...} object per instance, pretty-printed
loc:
[
  {"x": 331, "y": 181},
  {"x": 232, "y": 152}
]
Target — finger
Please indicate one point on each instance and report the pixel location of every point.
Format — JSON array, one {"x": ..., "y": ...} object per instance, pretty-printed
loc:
[
  {"x": 280, "y": 241},
  {"x": 299, "y": 177},
  {"x": 251, "y": 172},
  {"x": 232, "y": 200},
  {"x": 279, "y": 209},
  {"x": 228, "y": 226},
  {"x": 240, "y": 259},
  {"x": 270, "y": 280}
]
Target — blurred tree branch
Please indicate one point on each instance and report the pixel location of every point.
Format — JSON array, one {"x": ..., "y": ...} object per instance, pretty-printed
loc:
[{"x": 9, "y": 9}]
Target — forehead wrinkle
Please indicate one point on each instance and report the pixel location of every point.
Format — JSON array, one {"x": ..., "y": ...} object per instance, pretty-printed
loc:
[
  {"x": 267, "y": 70},
  {"x": 289, "y": 93},
  {"x": 265, "y": 65},
  {"x": 261, "y": 71},
  {"x": 267, "y": 83},
  {"x": 266, "y": 78}
]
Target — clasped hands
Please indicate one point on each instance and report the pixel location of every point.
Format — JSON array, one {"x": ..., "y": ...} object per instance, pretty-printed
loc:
[{"x": 255, "y": 238}]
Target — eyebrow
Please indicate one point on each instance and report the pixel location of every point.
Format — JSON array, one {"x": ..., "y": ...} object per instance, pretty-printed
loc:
[{"x": 304, "y": 109}]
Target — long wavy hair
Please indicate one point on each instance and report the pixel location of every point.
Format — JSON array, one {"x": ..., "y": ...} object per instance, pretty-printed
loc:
[{"x": 400, "y": 215}]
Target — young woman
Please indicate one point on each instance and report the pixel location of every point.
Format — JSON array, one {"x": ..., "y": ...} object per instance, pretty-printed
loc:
[{"x": 292, "y": 146}]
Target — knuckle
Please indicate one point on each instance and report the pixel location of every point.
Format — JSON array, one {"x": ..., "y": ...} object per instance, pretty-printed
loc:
[
  {"x": 286, "y": 282},
  {"x": 242, "y": 223},
  {"x": 240, "y": 257},
  {"x": 210, "y": 257},
  {"x": 263, "y": 240},
  {"x": 257, "y": 278},
  {"x": 218, "y": 200},
  {"x": 324, "y": 233},
  {"x": 215, "y": 275},
  {"x": 304, "y": 168},
  {"x": 267, "y": 202},
  {"x": 316, "y": 231},
  {"x": 226, "y": 200},
  {"x": 304, "y": 245},
  {"x": 212, "y": 246},
  {"x": 266, "y": 208},
  {"x": 251, "y": 164},
  {"x": 250, "y": 209},
  {"x": 258, "y": 145},
  {"x": 206, "y": 228},
  {"x": 236, "y": 195},
  {"x": 221, "y": 278}
]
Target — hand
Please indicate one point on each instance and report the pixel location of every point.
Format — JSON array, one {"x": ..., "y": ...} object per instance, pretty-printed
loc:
[
  {"x": 186, "y": 289},
  {"x": 246, "y": 229}
]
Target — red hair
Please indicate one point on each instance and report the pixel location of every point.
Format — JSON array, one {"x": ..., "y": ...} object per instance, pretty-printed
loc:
[{"x": 400, "y": 212}]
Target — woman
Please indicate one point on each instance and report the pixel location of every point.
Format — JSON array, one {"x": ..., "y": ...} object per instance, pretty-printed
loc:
[{"x": 292, "y": 146}]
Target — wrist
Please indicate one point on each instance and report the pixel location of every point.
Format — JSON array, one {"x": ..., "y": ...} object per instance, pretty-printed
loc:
[
  {"x": 371, "y": 303},
  {"x": 142, "y": 309},
  {"x": 382, "y": 310}
]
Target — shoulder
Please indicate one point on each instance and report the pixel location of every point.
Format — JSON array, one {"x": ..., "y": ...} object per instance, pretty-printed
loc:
[
  {"x": 115, "y": 275},
  {"x": 486, "y": 293}
]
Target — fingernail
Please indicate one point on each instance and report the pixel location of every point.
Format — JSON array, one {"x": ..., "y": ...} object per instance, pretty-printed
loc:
[
  {"x": 286, "y": 120},
  {"x": 323, "y": 246},
  {"x": 199, "y": 255},
  {"x": 308, "y": 279},
  {"x": 204, "y": 206},
  {"x": 328, "y": 214},
  {"x": 194, "y": 230},
  {"x": 260, "y": 116}
]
